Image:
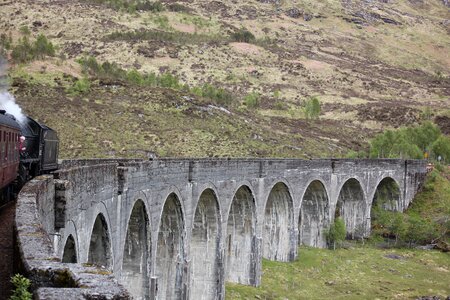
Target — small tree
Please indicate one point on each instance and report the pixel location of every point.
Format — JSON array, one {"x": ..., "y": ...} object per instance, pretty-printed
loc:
[
  {"x": 312, "y": 108},
  {"x": 43, "y": 47},
  {"x": 21, "y": 286},
  {"x": 441, "y": 147},
  {"x": 23, "y": 51},
  {"x": 337, "y": 232},
  {"x": 398, "y": 225}
]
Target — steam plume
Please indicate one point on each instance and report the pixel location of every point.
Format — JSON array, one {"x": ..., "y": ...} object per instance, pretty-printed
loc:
[{"x": 7, "y": 101}]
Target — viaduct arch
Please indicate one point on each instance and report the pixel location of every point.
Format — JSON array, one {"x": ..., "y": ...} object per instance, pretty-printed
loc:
[{"x": 181, "y": 228}]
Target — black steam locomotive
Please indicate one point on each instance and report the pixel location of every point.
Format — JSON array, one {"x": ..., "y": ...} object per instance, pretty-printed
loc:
[{"x": 27, "y": 149}]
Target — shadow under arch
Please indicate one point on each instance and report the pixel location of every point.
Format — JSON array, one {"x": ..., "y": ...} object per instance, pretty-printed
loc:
[
  {"x": 70, "y": 251},
  {"x": 241, "y": 238},
  {"x": 313, "y": 216},
  {"x": 350, "y": 206},
  {"x": 170, "y": 254},
  {"x": 204, "y": 247},
  {"x": 100, "y": 252},
  {"x": 387, "y": 196},
  {"x": 278, "y": 224},
  {"x": 136, "y": 252}
]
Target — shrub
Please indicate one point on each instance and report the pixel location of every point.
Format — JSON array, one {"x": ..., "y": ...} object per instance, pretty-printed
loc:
[
  {"x": 131, "y": 6},
  {"x": 151, "y": 79},
  {"x": 243, "y": 35},
  {"x": 426, "y": 114},
  {"x": 164, "y": 36},
  {"x": 176, "y": 7},
  {"x": 312, "y": 108},
  {"x": 356, "y": 154},
  {"x": 252, "y": 100},
  {"x": 168, "y": 80},
  {"x": 90, "y": 64},
  {"x": 21, "y": 286},
  {"x": 420, "y": 231},
  {"x": 135, "y": 77},
  {"x": 162, "y": 22},
  {"x": 109, "y": 70},
  {"x": 150, "y": 6},
  {"x": 24, "y": 30},
  {"x": 81, "y": 86},
  {"x": 409, "y": 228},
  {"x": 218, "y": 95},
  {"x": 276, "y": 94},
  {"x": 280, "y": 105},
  {"x": 336, "y": 233}
]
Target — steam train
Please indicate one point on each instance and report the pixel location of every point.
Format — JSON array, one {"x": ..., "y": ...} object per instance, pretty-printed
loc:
[{"x": 27, "y": 149}]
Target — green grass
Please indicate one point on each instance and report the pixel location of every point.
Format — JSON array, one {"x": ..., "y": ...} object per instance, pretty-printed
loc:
[
  {"x": 433, "y": 202},
  {"x": 357, "y": 273}
]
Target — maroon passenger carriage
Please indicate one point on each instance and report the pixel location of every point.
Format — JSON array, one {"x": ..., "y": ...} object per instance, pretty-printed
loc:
[{"x": 9, "y": 154}]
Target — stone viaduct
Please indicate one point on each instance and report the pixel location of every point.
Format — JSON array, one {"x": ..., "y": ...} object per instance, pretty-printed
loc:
[{"x": 181, "y": 228}]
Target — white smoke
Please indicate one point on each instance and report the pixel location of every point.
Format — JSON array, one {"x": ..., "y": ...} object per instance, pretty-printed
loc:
[{"x": 7, "y": 101}]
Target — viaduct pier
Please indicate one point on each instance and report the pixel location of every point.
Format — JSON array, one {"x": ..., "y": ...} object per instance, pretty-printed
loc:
[{"x": 181, "y": 228}]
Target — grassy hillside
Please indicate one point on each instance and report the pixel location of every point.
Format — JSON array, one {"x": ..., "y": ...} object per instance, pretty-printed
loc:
[
  {"x": 357, "y": 273},
  {"x": 433, "y": 202},
  {"x": 372, "y": 65},
  {"x": 130, "y": 121}
]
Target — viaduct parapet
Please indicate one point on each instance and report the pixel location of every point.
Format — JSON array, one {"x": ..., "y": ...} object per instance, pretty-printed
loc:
[{"x": 181, "y": 228}]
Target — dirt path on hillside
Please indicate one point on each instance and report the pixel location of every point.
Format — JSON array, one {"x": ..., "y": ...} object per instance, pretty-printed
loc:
[{"x": 7, "y": 213}]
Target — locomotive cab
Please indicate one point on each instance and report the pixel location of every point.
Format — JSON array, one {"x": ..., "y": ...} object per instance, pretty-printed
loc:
[{"x": 41, "y": 149}]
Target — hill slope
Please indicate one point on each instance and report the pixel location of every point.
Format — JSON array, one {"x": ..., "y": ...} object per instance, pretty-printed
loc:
[{"x": 372, "y": 65}]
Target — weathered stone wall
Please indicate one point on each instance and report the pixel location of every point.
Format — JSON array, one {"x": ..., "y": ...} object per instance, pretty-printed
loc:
[
  {"x": 180, "y": 228},
  {"x": 52, "y": 279}
]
